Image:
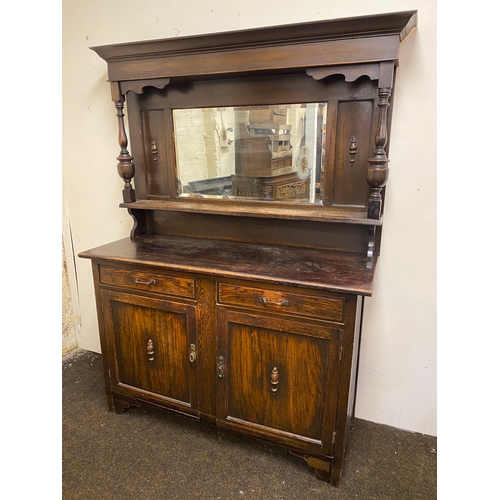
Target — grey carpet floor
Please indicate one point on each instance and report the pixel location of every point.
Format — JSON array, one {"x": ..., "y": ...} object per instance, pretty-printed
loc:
[{"x": 148, "y": 453}]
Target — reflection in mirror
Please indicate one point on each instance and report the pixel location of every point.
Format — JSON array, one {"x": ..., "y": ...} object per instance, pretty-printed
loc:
[{"x": 253, "y": 152}]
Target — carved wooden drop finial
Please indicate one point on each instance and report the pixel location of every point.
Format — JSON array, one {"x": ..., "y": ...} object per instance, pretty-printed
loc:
[
  {"x": 274, "y": 380},
  {"x": 151, "y": 350},
  {"x": 353, "y": 149},
  {"x": 378, "y": 171},
  {"x": 154, "y": 150}
]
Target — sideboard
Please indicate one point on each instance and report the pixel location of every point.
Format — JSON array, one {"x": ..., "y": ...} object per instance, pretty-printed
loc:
[{"x": 255, "y": 179}]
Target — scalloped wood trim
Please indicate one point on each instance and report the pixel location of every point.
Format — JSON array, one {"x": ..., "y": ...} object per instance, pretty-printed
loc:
[
  {"x": 138, "y": 86},
  {"x": 351, "y": 71}
]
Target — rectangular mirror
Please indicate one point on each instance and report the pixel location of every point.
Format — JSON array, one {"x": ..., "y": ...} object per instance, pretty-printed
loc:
[{"x": 253, "y": 152}]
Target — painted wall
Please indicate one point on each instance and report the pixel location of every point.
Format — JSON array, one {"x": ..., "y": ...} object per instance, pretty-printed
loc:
[
  {"x": 69, "y": 341},
  {"x": 397, "y": 378}
]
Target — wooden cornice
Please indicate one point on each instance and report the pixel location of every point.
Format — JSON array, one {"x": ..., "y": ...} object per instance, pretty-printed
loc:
[{"x": 354, "y": 40}]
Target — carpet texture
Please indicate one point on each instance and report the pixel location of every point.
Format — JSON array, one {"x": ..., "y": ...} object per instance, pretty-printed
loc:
[{"x": 148, "y": 453}]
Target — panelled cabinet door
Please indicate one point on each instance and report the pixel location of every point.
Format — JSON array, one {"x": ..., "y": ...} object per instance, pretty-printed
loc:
[
  {"x": 153, "y": 344},
  {"x": 278, "y": 379}
]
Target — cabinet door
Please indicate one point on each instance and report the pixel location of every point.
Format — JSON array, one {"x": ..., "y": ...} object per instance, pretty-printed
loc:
[
  {"x": 278, "y": 379},
  {"x": 153, "y": 345}
]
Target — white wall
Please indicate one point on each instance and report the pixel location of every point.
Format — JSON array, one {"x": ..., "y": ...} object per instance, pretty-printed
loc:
[{"x": 397, "y": 379}]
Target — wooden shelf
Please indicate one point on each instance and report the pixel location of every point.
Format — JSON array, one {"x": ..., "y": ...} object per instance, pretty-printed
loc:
[
  {"x": 302, "y": 267},
  {"x": 268, "y": 211}
]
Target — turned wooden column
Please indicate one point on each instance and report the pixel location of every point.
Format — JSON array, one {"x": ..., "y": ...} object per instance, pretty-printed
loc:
[
  {"x": 126, "y": 168},
  {"x": 378, "y": 171}
]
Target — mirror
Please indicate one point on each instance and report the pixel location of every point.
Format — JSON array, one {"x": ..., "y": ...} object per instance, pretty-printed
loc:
[{"x": 253, "y": 152}]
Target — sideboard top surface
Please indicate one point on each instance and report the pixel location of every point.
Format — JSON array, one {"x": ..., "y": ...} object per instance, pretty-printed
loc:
[{"x": 302, "y": 267}]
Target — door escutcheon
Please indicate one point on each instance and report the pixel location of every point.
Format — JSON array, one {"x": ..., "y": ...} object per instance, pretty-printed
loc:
[
  {"x": 192, "y": 354},
  {"x": 220, "y": 366}
]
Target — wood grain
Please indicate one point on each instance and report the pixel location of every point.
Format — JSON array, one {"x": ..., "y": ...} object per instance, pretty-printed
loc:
[
  {"x": 309, "y": 268},
  {"x": 248, "y": 314}
]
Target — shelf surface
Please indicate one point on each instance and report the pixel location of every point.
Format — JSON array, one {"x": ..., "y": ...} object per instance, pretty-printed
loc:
[
  {"x": 302, "y": 267},
  {"x": 260, "y": 210}
]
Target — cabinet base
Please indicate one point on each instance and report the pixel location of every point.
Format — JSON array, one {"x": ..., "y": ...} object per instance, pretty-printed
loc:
[
  {"x": 120, "y": 403},
  {"x": 322, "y": 467}
]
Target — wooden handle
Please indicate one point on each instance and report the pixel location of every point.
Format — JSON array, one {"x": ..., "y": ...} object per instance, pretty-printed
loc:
[
  {"x": 151, "y": 350},
  {"x": 139, "y": 282},
  {"x": 274, "y": 380},
  {"x": 283, "y": 302}
]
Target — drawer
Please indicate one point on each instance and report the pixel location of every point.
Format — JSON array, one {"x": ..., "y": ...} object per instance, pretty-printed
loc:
[
  {"x": 315, "y": 306},
  {"x": 149, "y": 280}
]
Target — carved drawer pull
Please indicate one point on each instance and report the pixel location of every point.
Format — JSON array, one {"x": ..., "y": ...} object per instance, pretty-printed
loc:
[
  {"x": 353, "y": 149},
  {"x": 139, "y": 282},
  {"x": 151, "y": 350},
  {"x": 274, "y": 380},
  {"x": 283, "y": 302}
]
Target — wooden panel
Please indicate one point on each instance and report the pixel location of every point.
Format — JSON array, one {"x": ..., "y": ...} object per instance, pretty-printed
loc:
[
  {"x": 148, "y": 280},
  {"x": 282, "y": 301},
  {"x": 151, "y": 342},
  {"x": 256, "y": 91},
  {"x": 354, "y": 120},
  {"x": 343, "y": 237},
  {"x": 303, "y": 55},
  {"x": 280, "y": 379},
  {"x": 207, "y": 347},
  {"x": 155, "y": 152}
]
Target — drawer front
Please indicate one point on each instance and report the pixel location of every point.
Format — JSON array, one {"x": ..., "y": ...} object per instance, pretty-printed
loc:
[
  {"x": 150, "y": 281},
  {"x": 316, "y": 306}
]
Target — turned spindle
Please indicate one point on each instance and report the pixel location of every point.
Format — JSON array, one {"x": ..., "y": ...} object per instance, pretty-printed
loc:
[
  {"x": 126, "y": 168},
  {"x": 378, "y": 172}
]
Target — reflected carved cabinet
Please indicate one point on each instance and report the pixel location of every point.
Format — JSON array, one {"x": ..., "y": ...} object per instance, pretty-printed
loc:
[{"x": 255, "y": 177}]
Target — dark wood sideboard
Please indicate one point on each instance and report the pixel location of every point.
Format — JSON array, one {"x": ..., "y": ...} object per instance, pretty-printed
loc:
[{"x": 246, "y": 311}]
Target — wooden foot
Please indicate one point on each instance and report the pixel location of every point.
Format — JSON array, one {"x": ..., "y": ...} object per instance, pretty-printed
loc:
[
  {"x": 321, "y": 466},
  {"x": 121, "y": 403}
]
